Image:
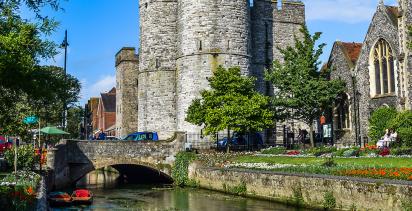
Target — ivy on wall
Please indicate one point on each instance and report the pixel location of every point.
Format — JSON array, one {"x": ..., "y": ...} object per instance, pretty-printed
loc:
[{"x": 180, "y": 172}]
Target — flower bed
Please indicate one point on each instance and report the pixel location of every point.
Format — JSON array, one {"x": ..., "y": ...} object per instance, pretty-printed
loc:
[
  {"x": 17, "y": 191},
  {"x": 380, "y": 173}
]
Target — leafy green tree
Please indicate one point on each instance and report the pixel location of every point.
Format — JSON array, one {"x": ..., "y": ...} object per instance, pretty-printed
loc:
[
  {"x": 28, "y": 88},
  {"x": 74, "y": 118},
  {"x": 232, "y": 103},
  {"x": 302, "y": 91}
]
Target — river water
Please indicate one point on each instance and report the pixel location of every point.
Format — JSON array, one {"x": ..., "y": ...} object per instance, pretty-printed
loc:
[{"x": 111, "y": 194}]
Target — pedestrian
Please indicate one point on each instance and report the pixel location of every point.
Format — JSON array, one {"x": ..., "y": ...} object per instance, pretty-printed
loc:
[{"x": 102, "y": 135}]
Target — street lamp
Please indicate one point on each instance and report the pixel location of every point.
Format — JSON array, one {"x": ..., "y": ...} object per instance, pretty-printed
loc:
[{"x": 64, "y": 45}]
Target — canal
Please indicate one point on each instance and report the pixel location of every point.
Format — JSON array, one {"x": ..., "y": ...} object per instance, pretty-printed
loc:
[{"x": 112, "y": 193}]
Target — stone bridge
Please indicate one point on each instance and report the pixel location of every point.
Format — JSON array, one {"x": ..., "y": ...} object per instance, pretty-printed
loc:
[{"x": 70, "y": 160}]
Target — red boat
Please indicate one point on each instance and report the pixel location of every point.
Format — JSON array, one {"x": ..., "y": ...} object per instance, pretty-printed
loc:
[
  {"x": 82, "y": 196},
  {"x": 59, "y": 199}
]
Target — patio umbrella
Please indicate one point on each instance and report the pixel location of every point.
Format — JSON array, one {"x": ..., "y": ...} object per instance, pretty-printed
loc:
[{"x": 53, "y": 131}]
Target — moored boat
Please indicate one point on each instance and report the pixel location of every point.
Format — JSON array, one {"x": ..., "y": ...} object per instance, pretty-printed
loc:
[
  {"x": 59, "y": 199},
  {"x": 82, "y": 196}
]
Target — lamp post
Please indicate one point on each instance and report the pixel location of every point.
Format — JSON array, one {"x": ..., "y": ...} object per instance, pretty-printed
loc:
[{"x": 64, "y": 45}]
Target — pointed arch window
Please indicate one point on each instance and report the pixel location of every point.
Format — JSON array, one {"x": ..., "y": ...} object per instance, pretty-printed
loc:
[
  {"x": 343, "y": 112},
  {"x": 383, "y": 77}
]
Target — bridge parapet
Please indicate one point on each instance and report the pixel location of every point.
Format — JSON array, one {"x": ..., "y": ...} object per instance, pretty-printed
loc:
[{"x": 71, "y": 159}]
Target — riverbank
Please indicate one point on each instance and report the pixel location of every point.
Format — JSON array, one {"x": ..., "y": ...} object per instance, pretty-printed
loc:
[{"x": 307, "y": 190}]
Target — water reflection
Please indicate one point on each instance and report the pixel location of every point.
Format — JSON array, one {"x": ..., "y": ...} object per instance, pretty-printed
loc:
[
  {"x": 111, "y": 194},
  {"x": 101, "y": 178}
]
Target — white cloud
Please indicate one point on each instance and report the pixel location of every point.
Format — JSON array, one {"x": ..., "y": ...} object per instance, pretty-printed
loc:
[
  {"x": 348, "y": 11},
  {"x": 104, "y": 84}
]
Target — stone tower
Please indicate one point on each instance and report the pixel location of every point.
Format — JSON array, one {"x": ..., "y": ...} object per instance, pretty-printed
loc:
[
  {"x": 157, "y": 68},
  {"x": 210, "y": 33},
  {"x": 405, "y": 57},
  {"x": 182, "y": 42},
  {"x": 127, "y": 66}
]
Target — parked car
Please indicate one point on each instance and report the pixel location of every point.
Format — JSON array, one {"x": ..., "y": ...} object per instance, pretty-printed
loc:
[
  {"x": 142, "y": 136},
  {"x": 238, "y": 140}
]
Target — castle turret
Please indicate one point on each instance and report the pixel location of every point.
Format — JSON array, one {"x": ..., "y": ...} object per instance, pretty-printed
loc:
[
  {"x": 210, "y": 33},
  {"x": 289, "y": 16},
  {"x": 127, "y": 67},
  {"x": 157, "y": 68}
]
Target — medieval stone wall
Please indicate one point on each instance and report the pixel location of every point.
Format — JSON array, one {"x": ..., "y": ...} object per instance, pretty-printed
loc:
[{"x": 127, "y": 66}]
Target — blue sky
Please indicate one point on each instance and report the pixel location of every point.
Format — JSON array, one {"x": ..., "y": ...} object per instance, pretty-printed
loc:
[{"x": 97, "y": 29}]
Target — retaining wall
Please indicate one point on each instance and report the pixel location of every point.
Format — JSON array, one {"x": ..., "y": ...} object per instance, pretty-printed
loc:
[{"x": 306, "y": 189}]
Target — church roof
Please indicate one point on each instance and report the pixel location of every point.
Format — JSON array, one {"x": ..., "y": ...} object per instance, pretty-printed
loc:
[
  {"x": 352, "y": 51},
  {"x": 109, "y": 100},
  {"x": 393, "y": 13}
]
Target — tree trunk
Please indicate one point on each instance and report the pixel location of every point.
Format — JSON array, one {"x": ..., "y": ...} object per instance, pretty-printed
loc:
[
  {"x": 312, "y": 141},
  {"x": 228, "y": 141}
]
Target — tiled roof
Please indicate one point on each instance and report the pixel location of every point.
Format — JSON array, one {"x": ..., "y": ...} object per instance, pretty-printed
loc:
[
  {"x": 352, "y": 50},
  {"x": 109, "y": 100}
]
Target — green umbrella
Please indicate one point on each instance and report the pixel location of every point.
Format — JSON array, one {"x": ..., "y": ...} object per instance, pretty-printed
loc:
[{"x": 53, "y": 131}]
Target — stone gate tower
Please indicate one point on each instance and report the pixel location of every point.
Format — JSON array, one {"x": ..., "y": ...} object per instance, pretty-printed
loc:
[
  {"x": 210, "y": 33},
  {"x": 182, "y": 42}
]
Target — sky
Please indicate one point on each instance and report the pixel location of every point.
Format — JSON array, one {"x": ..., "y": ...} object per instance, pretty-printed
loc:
[{"x": 98, "y": 29}]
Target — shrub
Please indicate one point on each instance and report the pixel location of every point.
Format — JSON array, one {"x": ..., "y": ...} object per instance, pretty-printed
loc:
[
  {"x": 318, "y": 151},
  {"x": 405, "y": 134},
  {"x": 384, "y": 152},
  {"x": 379, "y": 120},
  {"x": 26, "y": 158},
  {"x": 274, "y": 151},
  {"x": 329, "y": 201},
  {"x": 402, "y": 120},
  {"x": 294, "y": 152},
  {"x": 351, "y": 153},
  {"x": 401, "y": 151},
  {"x": 329, "y": 162}
]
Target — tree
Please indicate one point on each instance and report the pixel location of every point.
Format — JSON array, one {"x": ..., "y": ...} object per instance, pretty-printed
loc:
[
  {"x": 232, "y": 104},
  {"x": 74, "y": 118},
  {"x": 302, "y": 92},
  {"x": 26, "y": 87}
]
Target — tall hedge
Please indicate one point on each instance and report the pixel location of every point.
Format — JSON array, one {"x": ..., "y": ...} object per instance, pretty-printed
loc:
[{"x": 379, "y": 121}]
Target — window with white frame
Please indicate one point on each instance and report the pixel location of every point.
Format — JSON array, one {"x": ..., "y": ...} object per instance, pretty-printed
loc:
[{"x": 382, "y": 75}]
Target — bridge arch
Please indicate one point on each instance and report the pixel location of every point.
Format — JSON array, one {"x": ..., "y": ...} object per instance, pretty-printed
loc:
[
  {"x": 133, "y": 171},
  {"x": 70, "y": 160}
]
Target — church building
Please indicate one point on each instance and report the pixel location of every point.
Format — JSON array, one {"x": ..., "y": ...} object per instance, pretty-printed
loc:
[{"x": 377, "y": 72}]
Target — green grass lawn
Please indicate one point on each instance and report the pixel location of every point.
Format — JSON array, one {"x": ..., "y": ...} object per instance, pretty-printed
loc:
[{"x": 364, "y": 162}]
